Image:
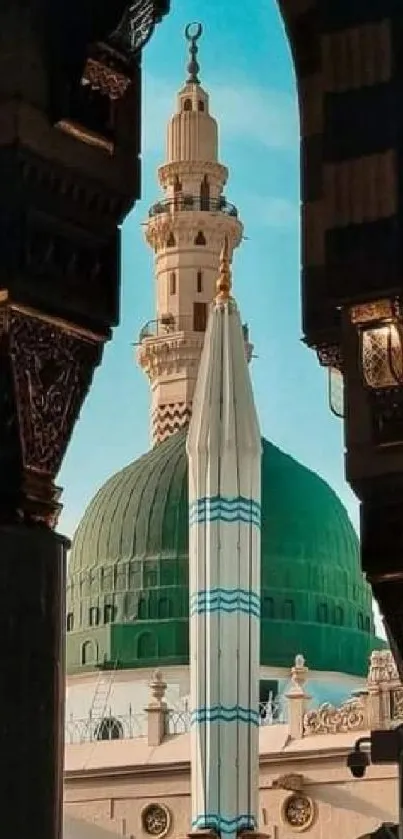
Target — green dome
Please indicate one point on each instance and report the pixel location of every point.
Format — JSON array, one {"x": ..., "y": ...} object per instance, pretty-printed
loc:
[{"x": 127, "y": 596}]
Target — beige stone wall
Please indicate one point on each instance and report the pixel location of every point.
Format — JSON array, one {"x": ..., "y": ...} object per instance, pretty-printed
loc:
[
  {"x": 112, "y": 782},
  {"x": 343, "y": 807}
]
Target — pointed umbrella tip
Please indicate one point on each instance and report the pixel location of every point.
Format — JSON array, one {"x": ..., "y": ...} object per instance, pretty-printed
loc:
[
  {"x": 224, "y": 279},
  {"x": 193, "y": 32}
]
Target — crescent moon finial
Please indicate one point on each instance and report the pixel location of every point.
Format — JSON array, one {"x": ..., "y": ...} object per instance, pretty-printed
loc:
[{"x": 193, "y": 32}]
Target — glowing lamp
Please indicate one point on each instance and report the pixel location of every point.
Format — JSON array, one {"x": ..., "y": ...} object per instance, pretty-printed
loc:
[{"x": 381, "y": 343}]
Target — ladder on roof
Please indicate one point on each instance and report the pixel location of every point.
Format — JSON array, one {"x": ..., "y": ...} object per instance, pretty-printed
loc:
[{"x": 102, "y": 693}]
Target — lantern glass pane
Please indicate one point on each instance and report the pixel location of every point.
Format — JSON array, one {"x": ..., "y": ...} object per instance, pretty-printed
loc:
[
  {"x": 382, "y": 361},
  {"x": 336, "y": 392}
]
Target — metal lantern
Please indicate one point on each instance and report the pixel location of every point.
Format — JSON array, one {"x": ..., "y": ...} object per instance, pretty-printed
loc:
[{"x": 381, "y": 343}]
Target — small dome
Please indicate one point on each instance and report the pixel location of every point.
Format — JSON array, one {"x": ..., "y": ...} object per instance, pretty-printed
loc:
[{"x": 127, "y": 600}]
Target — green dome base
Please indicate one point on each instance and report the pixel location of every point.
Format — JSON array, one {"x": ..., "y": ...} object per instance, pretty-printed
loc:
[{"x": 127, "y": 596}]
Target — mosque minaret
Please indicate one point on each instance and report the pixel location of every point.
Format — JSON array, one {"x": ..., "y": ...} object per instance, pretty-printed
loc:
[
  {"x": 201, "y": 538},
  {"x": 186, "y": 229}
]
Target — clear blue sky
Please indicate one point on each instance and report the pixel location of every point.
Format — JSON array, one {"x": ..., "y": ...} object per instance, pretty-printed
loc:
[{"x": 246, "y": 67}]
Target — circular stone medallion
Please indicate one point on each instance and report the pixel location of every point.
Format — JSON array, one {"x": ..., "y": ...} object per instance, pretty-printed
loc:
[
  {"x": 298, "y": 811},
  {"x": 156, "y": 820}
]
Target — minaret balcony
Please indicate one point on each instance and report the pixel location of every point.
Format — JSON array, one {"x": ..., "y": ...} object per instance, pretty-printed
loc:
[
  {"x": 166, "y": 325},
  {"x": 186, "y": 203}
]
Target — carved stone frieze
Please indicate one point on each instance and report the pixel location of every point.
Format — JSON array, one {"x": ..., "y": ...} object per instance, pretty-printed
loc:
[
  {"x": 184, "y": 226},
  {"x": 351, "y": 716},
  {"x": 160, "y": 357},
  {"x": 169, "y": 172}
]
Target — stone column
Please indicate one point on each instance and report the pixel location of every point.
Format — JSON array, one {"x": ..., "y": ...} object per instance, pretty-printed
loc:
[
  {"x": 157, "y": 710},
  {"x": 69, "y": 169}
]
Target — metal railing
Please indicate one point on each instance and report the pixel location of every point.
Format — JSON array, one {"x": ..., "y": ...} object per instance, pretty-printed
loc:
[
  {"x": 165, "y": 326},
  {"x": 109, "y": 727},
  {"x": 183, "y": 203},
  {"x": 170, "y": 324},
  {"x": 134, "y": 724}
]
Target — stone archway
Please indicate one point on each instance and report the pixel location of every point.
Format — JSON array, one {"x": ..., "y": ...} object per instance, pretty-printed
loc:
[{"x": 348, "y": 58}]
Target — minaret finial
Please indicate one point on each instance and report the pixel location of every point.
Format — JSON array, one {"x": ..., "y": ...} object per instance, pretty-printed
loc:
[
  {"x": 193, "y": 32},
  {"x": 224, "y": 283}
]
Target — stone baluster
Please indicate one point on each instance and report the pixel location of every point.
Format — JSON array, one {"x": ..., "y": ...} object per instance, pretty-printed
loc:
[
  {"x": 297, "y": 698},
  {"x": 374, "y": 698},
  {"x": 157, "y": 710}
]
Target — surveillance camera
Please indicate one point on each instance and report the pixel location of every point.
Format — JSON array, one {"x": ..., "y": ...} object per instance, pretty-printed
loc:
[{"x": 357, "y": 762}]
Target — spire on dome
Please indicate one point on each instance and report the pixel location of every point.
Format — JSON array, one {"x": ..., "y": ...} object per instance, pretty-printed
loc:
[
  {"x": 193, "y": 32},
  {"x": 224, "y": 279}
]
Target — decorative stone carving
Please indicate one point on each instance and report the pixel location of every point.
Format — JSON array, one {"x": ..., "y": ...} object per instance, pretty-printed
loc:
[
  {"x": 397, "y": 704},
  {"x": 168, "y": 172},
  {"x": 46, "y": 369},
  {"x": 382, "y": 669},
  {"x": 330, "y": 356},
  {"x": 107, "y": 80},
  {"x": 156, "y": 820},
  {"x": 292, "y": 782},
  {"x": 52, "y": 370},
  {"x": 351, "y": 716},
  {"x": 298, "y": 811}
]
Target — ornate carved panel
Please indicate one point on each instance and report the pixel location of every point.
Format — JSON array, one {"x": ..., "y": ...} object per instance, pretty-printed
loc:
[
  {"x": 52, "y": 371},
  {"x": 46, "y": 369},
  {"x": 351, "y": 716}
]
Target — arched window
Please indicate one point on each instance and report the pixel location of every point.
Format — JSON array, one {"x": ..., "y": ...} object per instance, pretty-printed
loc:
[
  {"x": 109, "y": 613},
  {"x": 367, "y": 624},
  {"x": 109, "y": 729},
  {"x": 142, "y": 609},
  {"x": 200, "y": 105},
  {"x": 146, "y": 645},
  {"x": 171, "y": 241},
  {"x": 88, "y": 653},
  {"x": 200, "y": 238},
  {"x": 360, "y": 620},
  {"x": 205, "y": 194},
  {"x": 94, "y": 616},
  {"x": 268, "y": 607},
  {"x": 187, "y": 105},
  {"x": 323, "y": 613},
  {"x": 164, "y": 608},
  {"x": 288, "y": 610},
  {"x": 172, "y": 283},
  {"x": 199, "y": 284},
  {"x": 70, "y": 622},
  {"x": 338, "y": 616}
]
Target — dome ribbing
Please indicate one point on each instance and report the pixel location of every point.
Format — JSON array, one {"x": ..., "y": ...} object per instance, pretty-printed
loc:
[{"x": 128, "y": 571}]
